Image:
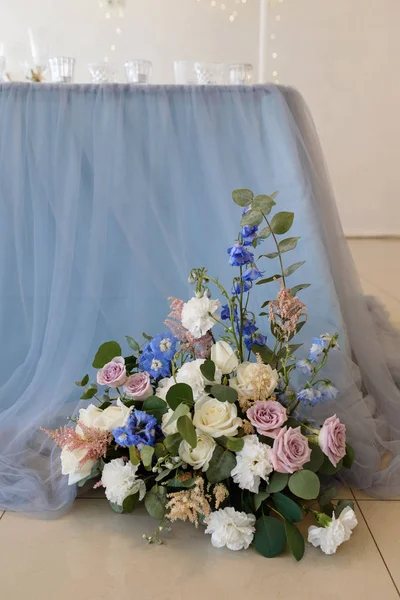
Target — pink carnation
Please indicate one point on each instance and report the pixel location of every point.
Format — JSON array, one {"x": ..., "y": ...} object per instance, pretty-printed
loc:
[
  {"x": 290, "y": 450},
  {"x": 267, "y": 416},
  {"x": 138, "y": 386},
  {"x": 113, "y": 373},
  {"x": 332, "y": 439}
]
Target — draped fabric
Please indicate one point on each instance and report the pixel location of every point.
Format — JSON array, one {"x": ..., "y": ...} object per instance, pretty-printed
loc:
[{"x": 109, "y": 195}]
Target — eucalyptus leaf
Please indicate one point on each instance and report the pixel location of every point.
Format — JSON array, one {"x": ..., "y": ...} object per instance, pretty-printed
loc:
[
  {"x": 287, "y": 507},
  {"x": 106, "y": 353},
  {"x": 293, "y": 268},
  {"x": 186, "y": 483},
  {"x": 304, "y": 484},
  {"x": 83, "y": 382},
  {"x": 242, "y": 197},
  {"x": 146, "y": 454},
  {"x": 264, "y": 233},
  {"x": 270, "y": 537},
  {"x": 277, "y": 482},
  {"x": 295, "y": 540},
  {"x": 208, "y": 370},
  {"x": 251, "y": 218},
  {"x": 224, "y": 393},
  {"x": 172, "y": 443},
  {"x": 133, "y": 455},
  {"x": 263, "y": 203},
  {"x": 282, "y": 222},
  {"x": 160, "y": 450},
  {"x": 155, "y": 501},
  {"x": 269, "y": 279},
  {"x": 180, "y": 411},
  {"x": 163, "y": 474},
  {"x": 232, "y": 443},
  {"x": 349, "y": 458},
  {"x": 267, "y": 355},
  {"x": 327, "y": 467},
  {"x": 288, "y": 244},
  {"x": 187, "y": 430},
  {"x": 259, "y": 499},
  {"x": 297, "y": 288},
  {"x": 341, "y": 505},
  {"x": 178, "y": 393},
  {"x": 157, "y": 407},
  {"x": 327, "y": 495},
  {"x": 316, "y": 460},
  {"x": 89, "y": 392},
  {"x": 132, "y": 343},
  {"x": 221, "y": 464},
  {"x": 147, "y": 337},
  {"x": 105, "y": 405},
  {"x": 270, "y": 255},
  {"x": 130, "y": 503}
]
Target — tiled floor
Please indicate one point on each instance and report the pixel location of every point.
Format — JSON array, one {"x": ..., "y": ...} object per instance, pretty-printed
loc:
[{"x": 94, "y": 554}]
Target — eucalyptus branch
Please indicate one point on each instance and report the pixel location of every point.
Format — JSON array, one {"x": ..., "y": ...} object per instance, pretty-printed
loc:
[{"x": 277, "y": 247}]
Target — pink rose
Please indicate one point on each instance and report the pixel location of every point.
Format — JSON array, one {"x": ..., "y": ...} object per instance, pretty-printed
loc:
[
  {"x": 290, "y": 450},
  {"x": 138, "y": 386},
  {"x": 267, "y": 416},
  {"x": 332, "y": 439},
  {"x": 113, "y": 373}
]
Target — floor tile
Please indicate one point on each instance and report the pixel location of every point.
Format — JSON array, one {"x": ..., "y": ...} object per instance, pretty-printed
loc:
[
  {"x": 383, "y": 519},
  {"x": 95, "y": 554},
  {"x": 378, "y": 262},
  {"x": 361, "y": 495}
]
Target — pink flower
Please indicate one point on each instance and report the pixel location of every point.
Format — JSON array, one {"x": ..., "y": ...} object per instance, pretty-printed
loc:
[
  {"x": 267, "y": 416},
  {"x": 113, "y": 373},
  {"x": 332, "y": 439},
  {"x": 138, "y": 386},
  {"x": 290, "y": 450}
]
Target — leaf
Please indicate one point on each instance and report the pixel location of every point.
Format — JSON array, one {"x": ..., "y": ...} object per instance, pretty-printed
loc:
[
  {"x": 187, "y": 483},
  {"x": 259, "y": 499},
  {"x": 252, "y": 218},
  {"x": 187, "y": 430},
  {"x": 105, "y": 405},
  {"x": 293, "y": 268},
  {"x": 295, "y": 540},
  {"x": 304, "y": 484},
  {"x": 267, "y": 355},
  {"x": 327, "y": 467},
  {"x": 273, "y": 195},
  {"x": 160, "y": 450},
  {"x": 232, "y": 443},
  {"x": 254, "y": 243},
  {"x": 277, "y": 482},
  {"x": 265, "y": 303},
  {"x": 180, "y": 411},
  {"x": 83, "y": 382},
  {"x": 302, "y": 286},
  {"x": 172, "y": 443},
  {"x": 208, "y": 370},
  {"x": 271, "y": 255},
  {"x": 242, "y": 197},
  {"x": 96, "y": 470},
  {"x": 147, "y": 337},
  {"x": 316, "y": 460},
  {"x": 106, "y": 353},
  {"x": 221, "y": 465},
  {"x": 146, "y": 454},
  {"x": 264, "y": 233},
  {"x": 89, "y": 392},
  {"x": 287, "y": 507},
  {"x": 269, "y": 279},
  {"x": 130, "y": 502},
  {"x": 132, "y": 343},
  {"x": 133, "y": 455},
  {"x": 263, "y": 204},
  {"x": 349, "y": 458},
  {"x": 288, "y": 244},
  {"x": 116, "y": 507},
  {"x": 163, "y": 474},
  {"x": 341, "y": 505},
  {"x": 224, "y": 393},
  {"x": 157, "y": 407},
  {"x": 299, "y": 327},
  {"x": 270, "y": 537},
  {"x": 155, "y": 501},
  {"x": 327, "y": 495},
  {"x": 282, "y": 222},
  {"x": 178, "y": 393}
]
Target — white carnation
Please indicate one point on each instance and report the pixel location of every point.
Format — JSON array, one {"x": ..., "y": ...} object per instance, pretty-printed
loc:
[
  {"x": 252, "y": 464},
  {"x": 195, "y": 315},
  {"x": 190, "y": 374},
  {"x": 119, "y": 479},
  {"x": 199, "y": 457},
  {"x": 231, "y": 528},
  {"x": 337, "y": 532}
]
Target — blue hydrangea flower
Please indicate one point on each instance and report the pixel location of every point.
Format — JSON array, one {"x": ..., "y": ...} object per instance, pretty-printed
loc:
[
  {"x": 305, "y": 366},
  {"x": 317, "y": 349},
  {"x": 240, "y": 285},
  {"x": 226, "y": 314},
  {"x": 156, "y": 366},
  {"x": 328, "y": 391},
  {"x": 163, "y": 345},
  {"x": 239, "y": 255},
  {"x": 309, "y": 396},
  {"x": 249, "y": 233},
  {"x": 251, "y": 274},
  {"x": 140, "y": 430}
]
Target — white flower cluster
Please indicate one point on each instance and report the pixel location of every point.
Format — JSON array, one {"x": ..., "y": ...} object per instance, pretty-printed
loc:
[
  {"x": 338, "y": 531},
  {"x": 252, "y": 464}
]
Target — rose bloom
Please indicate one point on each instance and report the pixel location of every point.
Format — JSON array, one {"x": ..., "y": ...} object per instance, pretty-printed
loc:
[
  {"x": 138, "y": 386},
  {"x": 113, "y": 373},
  {"x": 216, "y": 418},
  {"x": 267, "y": 416},
  {"x": 224, "y": 357},
  {"x": 332, "y": 439},
  {"x": 70, "y": 465},
  {"x": 290, "y": 450},
  {"x": 199, "y": 457},
  {"x": 243, "y": 382},
  {"x": 106, "y": 420}
]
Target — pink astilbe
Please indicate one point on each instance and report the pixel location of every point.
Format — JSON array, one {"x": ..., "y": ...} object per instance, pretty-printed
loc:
[
  {"x": 286, "y": 311},
  {"x": 199, "y": 347},
  {"x": 91, "y": 439}
]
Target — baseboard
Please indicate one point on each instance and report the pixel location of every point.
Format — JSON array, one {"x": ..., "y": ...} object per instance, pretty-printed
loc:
[{"x": 377, "y": 235}]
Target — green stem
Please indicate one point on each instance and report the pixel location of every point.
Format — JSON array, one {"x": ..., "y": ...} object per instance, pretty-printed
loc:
[
  {"x": 277, "y": 248},
  {"x": 241, "y": 314}
]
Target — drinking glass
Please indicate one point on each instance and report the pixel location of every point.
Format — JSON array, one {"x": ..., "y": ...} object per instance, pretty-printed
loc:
[
  {"x": 185, "y": 72},
  {"x": 35, "y": 68},
  {"x": 2, "y": 68},
  {"x": 62, "y": 69},
  {"x": 138, "y": 71},
  {"x": 240, "y": 74},
  {"x": 210, "y": 73},
  {"x": 102, "y": 72}
]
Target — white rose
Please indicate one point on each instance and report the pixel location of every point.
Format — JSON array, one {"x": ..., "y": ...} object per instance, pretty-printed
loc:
[
  {"x": 119, "y": 479},
  {"x": 70, "y": 465},
  {"x": 243, "y": 382},
  {"x": 169, "y": 429},
  {"x": 224, "y": 357},
  {"x": 216, "y": 418},
  {"x": 163, "y": 386},
  {"x": 105, "y": 420},
  {"x": 189, "y": 373},
  {"x": 337, "y": 532},
  {"x": 195, "y": 315},
  {"x": 252, "y": 464},
  {"x": 199, "y": 457},
  {"x": 231, "y": 528}
]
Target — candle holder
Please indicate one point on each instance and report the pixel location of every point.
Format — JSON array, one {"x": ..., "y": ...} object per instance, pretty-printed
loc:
[
  {"x": 138, "y": 71},
  {"x": 210, "y": 73},
  {"x": 62, "y": 69},
  {"x": 102, "y": 72},
  {"x": 185, "y": 72},
  {"x": 240, "y": 74},
  {"x": 2, "y": 68}
]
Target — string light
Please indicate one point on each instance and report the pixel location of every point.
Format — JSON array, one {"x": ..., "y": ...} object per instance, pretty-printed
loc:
[
  {"x": 278, "y": 17},
  {"x": 111, "y": 9}
]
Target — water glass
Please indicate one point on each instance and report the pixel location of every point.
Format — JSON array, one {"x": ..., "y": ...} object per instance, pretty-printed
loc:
[
  {"x": 102, "y": 72},
  {"x": 240, "y": 74},
  {"x": 210, "y": 73},
  {"x": 138, "y": 71},
  {"x": 185, "y": 72},
  {"x": 2, "y": 68},
  {"x": 62, "y": 69}
]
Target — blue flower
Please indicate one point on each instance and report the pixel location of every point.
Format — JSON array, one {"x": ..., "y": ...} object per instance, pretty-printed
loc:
[
  {"x": 226, "y": 313},
  {"x": 328, "y": 391},
  {"x": 256, "y": 339},
  {"x": 249, "y": 233},
  {"x": 239, "y": 255},
  {"x": 317, "y": 349},
  {"x": 251, "y": 274},
  {"x": 140, "y": 430},
  {"x": 156, "y": 366},
  {"x": 163, "y": 345},
  {"x": 240, "y": 285},
  {"x": 309, "y": 396},
  {"x": 305, "y": 366},
  {"x": 249, "y": 327},
  {"x": 246, "y": 209},
  {"x": 329, "y": 340}
]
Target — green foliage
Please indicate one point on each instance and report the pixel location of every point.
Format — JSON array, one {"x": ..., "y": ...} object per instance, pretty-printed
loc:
[
  {"x": 89, "y": 392},
  {"x": 271, "y": 255},
  {"x": 327, "y": 495},
  {"x": 263, "y": 203},
  {"x": 327, "y": 467},
  {"x": 105, "y": 404},
  {"x": 341, "y": 505},
  {"x": 224, "y": 393},
  {"x": 282, "y": 222},
  {"x": 155, "y": 501},
  {"x": 317, "y": 459},
  {"x": 146, "y": 454},
  {"x": 293, "y": 268},
  {"x": 106, "y": 353},
  {"x": 232, "y": 443},
  {"x": 130, "y": 503},
  {"x": 295, "y": 540},
  {"x": 264, "y": 233},
  {"x": 267, "y": 355},
  {"x": 252, "y": 217},
  {"x": 132, "y": 343},
  {"x": 95, "y": 472},
  {"x": 297, "y": 288},
  {"x": 349, "y": 458},
  {"x": 116, "y": 507},
  {"x": 187, "y": 430},
  {"x": 133, "y": 455},
  {"x": 259, "y": 499},
  {"x": 84, "y": 381},
  {"x": 221, "y": 465},
  {"x": 155, "y": 406},
  {"x": 304, "y": 484},
  {"x": 208, "y": 370},
  {"x": 186, "y": 484},
  {"x": 242, "y": 197},
  {"x": 172, "y": 443},
  {"x": 160, "y": 450},
  {"x": 178, "y": 393},
  {"x": 270, "y": 537},
  {"x": 180, "y": 411},
  {"x": 288, "y": 244},
  {"x": 277, "y": 482},
  {"x": 287, "y": 507}
]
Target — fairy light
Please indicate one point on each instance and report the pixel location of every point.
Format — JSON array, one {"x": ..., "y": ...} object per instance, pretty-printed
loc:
[
  {"x": 226, "y": 6},
  {"x": 113, "y": 9},
  {"x": 274, "y": 5}
]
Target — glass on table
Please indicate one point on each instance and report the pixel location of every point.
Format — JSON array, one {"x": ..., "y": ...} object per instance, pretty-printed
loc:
[
  {"x": 212, "y": 73},
  {"x": 185, "y": 72},
  {"x": 62, "y": 69},
  {"x": 102, "y": 72},
  {"x": 138, "y": 71},
  {"x": 36, "y": 67},
  {"x": 2, "y": 68},
  {"x": 240, "y": 74}
]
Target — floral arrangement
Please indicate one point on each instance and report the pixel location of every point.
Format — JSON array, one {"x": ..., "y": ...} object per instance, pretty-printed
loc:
[{"x": 216, "y": 432}]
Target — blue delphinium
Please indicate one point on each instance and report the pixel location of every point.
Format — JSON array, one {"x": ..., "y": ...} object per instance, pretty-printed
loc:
[
  {"x": 317, "y": 349},
  {"x": 140, "y": 430},
  {"x": 256, "y": 339},
  {"x": 328, "y": 391},
  {"x": 309, "y": 396},
  {"x": 249, "y": 327},
  {"x": 252, "y": 273},
  {"x": 226, "y": 313},
  {"x": 239, "y": 255},
  {"x": 329, "y": 340},
  {"x": 163, "y": 346},
  {"x": 240, "y": 285},
  {"x": 156, "y": 366},
  {"x": 305, "y": 366},
  {"x": 249, "y": 233}
]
